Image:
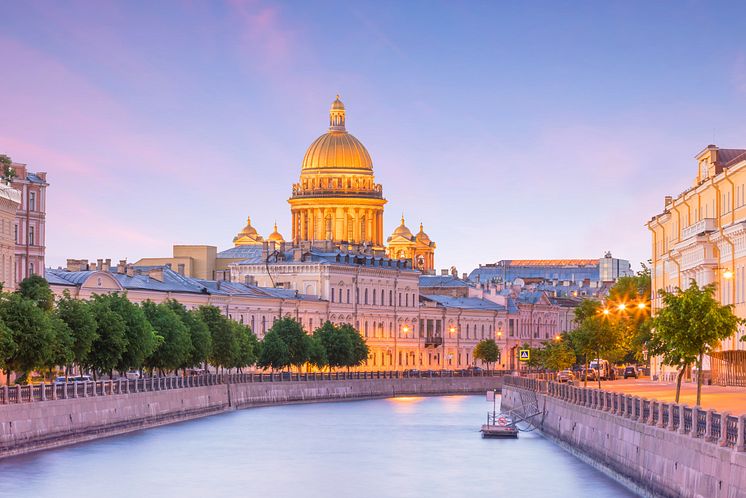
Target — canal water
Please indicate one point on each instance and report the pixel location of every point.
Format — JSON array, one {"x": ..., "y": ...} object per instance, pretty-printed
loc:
[{"x": 403, "y": 447}]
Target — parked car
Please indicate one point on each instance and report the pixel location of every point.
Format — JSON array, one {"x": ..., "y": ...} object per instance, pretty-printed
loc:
[
  {"x": 630, "y": 371},
  {"x": 565, "y": 376},
  {"x": 589, "y": 374},
  {"x": 132, "y": 375}
]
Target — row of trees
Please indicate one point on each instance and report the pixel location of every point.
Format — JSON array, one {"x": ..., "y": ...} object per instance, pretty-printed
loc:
[
  {"x": 691, "y": 324},
  {"x": 110, "y": 333}
]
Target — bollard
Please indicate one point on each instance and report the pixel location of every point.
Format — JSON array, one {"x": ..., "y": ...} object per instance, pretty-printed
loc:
[
  {"x": 741, "y": 440},
  {"x": 661, "y": 408},
  {"x": 708, "y": 425},
  {"x": 75, "y": 389},
  {"x": 723, "y": 430},
  {"x": 671, "y": 408},
  {"x": 682, "y": 425}
]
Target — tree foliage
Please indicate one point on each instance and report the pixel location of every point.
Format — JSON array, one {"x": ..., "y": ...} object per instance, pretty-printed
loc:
[
  {"x": 199, "y": 334},
  {"x": 36, "y": 288},
  {"x": 140, "y": 338},
  {"x": 292, "y": 334},
  {"x": 81, "y": 321},
  {"x": 487, "y": 351},
  {"x": 111, "y": 340},
  {"x": 174, "y": 344},
  {"x": 225, "y": 345},
  {"x": 337, "y": 344},
  {"x": 691, "y": 324},
  {"x": 31, "y": 332},
  {"x": 359, "y": 352},
  {"x": 275, "y": 353},
  {"x": 557, "y": 355}
]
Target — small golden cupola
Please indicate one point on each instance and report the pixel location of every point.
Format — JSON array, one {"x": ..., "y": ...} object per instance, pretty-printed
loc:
[
  {"x": 248, "y": 236},
  {"x": 401, "y": 231},
  {"x": 275, "y": 236},
  {"x": 422, "y": 237}
]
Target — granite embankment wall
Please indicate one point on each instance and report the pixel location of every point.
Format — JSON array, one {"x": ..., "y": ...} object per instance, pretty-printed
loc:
[
  {"x": 659, "y": 449},
  {"x": 33, "y": 426}
]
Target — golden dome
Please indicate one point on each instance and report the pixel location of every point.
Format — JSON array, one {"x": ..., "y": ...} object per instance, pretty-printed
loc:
[
  {"x": 337, "y": 148},
  {"x": 248, "y": 235},
  {"x": 275, "y": 236},
  {"x": 402, "y": 231},
  {"x": 422, "y": 236}
]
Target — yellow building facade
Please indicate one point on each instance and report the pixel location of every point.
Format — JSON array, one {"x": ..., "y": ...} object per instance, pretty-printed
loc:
[
  {"x": 417, "y": 248},
  {"x": 701, "y": 235}
]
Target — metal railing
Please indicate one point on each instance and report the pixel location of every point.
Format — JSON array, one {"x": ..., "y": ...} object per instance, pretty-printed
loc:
[
  {"x": 713, "y": 427},
  {"x": 82, "y": 389}
]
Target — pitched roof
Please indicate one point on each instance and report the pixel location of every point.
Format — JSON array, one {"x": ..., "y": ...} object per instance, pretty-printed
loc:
[
  {"x": 471, "y": 303},
  {"x": 442, "y": 281}
]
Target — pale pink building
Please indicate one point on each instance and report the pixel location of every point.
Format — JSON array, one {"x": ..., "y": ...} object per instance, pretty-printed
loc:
[{"x": 29, "y": 231}]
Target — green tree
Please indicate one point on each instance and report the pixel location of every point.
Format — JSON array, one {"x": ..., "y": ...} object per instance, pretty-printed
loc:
[
  {"x": 337, "y": 345},
  {"x": 36, "y": 288},
  {"x": 8, "y": 173},
  {"x": 316, "y": 352},
  {"x": 487, "y": 351},
  {"x": 292, "y": 334},
  {"x": 111, "y": 340},
  {"x": 174, "y": 344},
  {"x": 248, "y": 346},
  {"x": 140, "y": 338},
  {"x": 274, "y": 352},
  {"x": 691, "y": 324},
  {"x": 61, "y": 349},
  {"x": 31, "y": 331},
  {"x": 7, "y": 349},
  {"x": 79, "y": 317},
  {"x": 199, "y": 334},
  {"x": 359, "y": 351},
  {"x": 557, "y": 355},
  {"x": 225, "y": 347},
  {"x": 629, "y": 302},
  {"x": 596, "y": 335}
]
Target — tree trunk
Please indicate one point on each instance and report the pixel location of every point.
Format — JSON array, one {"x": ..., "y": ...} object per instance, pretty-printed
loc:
[
  {"x": 699, "y": 376},
  {"x": 7, "y": 377},
  {"x": 585, "y": 377},
  {"x": 678, "y": 380}
]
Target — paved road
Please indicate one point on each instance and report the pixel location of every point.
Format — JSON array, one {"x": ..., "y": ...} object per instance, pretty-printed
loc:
[{"x": 722, "y": 399}]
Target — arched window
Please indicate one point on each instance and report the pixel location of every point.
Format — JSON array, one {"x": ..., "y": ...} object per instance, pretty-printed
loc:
[
  {"x": 340, "y": 295},
  {"x": 406, "y": 300},
  {"x": 332, "y": 293},
  {"x": 348, "y": 296},
  {"x": 365, "y": 298},
  {"x": 382, "y": 295},
  {"x": 391, "y": 298},
  {"x": 374, "y": 297}
]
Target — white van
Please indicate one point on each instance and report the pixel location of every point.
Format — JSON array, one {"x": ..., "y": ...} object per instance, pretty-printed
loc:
[{"x": 602, "y": 367}]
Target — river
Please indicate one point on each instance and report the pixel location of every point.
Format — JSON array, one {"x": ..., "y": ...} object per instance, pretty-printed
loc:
[{"x": 402, "y": 447}]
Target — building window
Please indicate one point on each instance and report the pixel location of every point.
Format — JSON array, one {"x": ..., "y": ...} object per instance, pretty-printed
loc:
[
  {"x": 332, "y": 294},
  {"x": 15, "y": 229},
  {"x": 31, "y": 269},
  {"x": 374, "y": 297},
  {"x": 406, "y": 299},
  {"x": 32, "y": 201},
  {"x": 391, "y": 298},
  {"x": 31, "y": 236},
  {"x": 348, "y": 296},
  {"x": 366, "y": 296}
]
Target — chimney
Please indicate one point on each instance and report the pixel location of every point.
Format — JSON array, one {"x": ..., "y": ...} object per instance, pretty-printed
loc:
[
  {"x": 668, "y": 200},
  {"x": 443, "y": 273},
  {"x": 265, "y": 250},
  {"x": 156, "y": 274},
  {"x": 93, "y": 266},
  {"x": 168, "y": 265},
  {"x": 107, "y": 265},
  {"x": 121, "y": 267},
  {"x": 130, "y": 270},
  {"x": 297, "y": 254},
  {"x": 464, "y": 276},
  {"x": 83, "y": 264},
  {"x": 249, "y": 280}
]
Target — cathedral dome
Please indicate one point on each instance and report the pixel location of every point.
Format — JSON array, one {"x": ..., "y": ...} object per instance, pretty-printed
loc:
[
  {"x": 248, "y": 236},
  {"x": 275, "y": 236},
  {"x": 402, "y": 231},
  {"x": 422, "y": 236},
  {"x": 337, "y": 148}
]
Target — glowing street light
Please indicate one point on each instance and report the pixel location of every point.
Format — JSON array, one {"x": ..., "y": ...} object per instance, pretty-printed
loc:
[
  {"x": 606, "y": 311},
  {"x": 641, "y": 306},
  {"x": 557, "y": 337},
  {"x": 622, "y": 307},
  {"x": 405, "y": 329},
  {"x": 727, "y": 274}
]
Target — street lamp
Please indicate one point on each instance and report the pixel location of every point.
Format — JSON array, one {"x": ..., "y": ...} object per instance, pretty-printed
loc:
[
  {"x": 606, "y": 311},
  {"x": 622, "y": 307}
]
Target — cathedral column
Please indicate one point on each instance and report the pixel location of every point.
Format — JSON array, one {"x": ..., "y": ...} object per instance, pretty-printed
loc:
[
  {"x": 345, "y": 224},
  {"x": 380, "y": 227},
  {"x": 369, "y": 221},
  {"x": 356, "y": 226},
  {"x": 338, "y": 225},
  {"x": 318, "y": 223},
  {"x": 302, "y": 222}
]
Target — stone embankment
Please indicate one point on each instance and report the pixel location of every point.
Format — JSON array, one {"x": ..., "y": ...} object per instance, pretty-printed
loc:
[
  {"x": 660, "y": 449},
  {"x": 44, "y": 417}
]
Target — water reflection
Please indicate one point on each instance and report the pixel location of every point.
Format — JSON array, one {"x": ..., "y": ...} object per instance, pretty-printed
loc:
[{"x": 407, "y": 447}]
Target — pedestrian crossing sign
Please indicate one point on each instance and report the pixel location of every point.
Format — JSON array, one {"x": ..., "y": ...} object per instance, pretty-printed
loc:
[{"x": 524, "y": 354}]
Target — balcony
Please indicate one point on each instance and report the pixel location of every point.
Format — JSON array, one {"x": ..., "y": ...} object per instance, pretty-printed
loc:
[
  {"x": 433, "y": 341},
  {"x": 336, "y": 190},
  {"x": 705, "y": 225}
]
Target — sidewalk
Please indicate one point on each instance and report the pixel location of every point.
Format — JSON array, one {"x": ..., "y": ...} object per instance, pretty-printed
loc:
[{"x": 722, "y": 399}]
